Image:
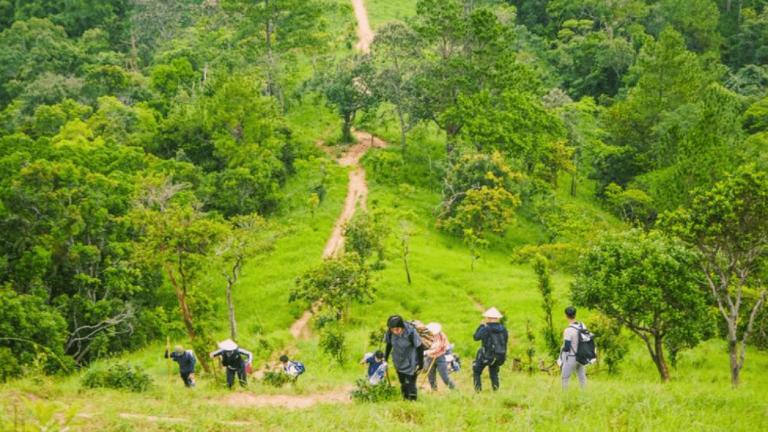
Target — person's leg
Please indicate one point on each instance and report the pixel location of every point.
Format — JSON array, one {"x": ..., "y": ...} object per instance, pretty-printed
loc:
[
  {"x": 432, "y": 373},
  {"x": 581, "y": 372},
  {"x": 230, "y": 377},
  {"x": 191, "y": 379},
  {"x": 403, "y": 378},
  {"x": 568, "y": 366},
  {"x": 477, "y": 371},
  {"x": 185, "y": 378},
  {"x": 242, "y": 376},
  {"x": 493, "y": 370},
  {"x": 412, "y": 392},
  {"x": 442, "y": 367}
]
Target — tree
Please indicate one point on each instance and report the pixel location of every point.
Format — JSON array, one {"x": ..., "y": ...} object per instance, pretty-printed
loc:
[
  {"x": 180, "y": 239},
  {"x": 696, "y": 20},
  {"x": 541, "y": 267},
  {"x": 335, "y": 284},
  {"x": 728, "y": 225},
  {"x": 395, "y": 55},
  {"x": 364, "y": 234},
  {"x": 248, "y": 237},
  {"x": 648, "y": 283},
  {"x": 347, "y": 87}
]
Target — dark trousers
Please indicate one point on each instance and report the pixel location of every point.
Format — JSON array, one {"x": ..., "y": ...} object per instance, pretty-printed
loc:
[
  {"x": 240, "y": 375},
  {"x": 188, "y": 381},
  {"x": 407, "y": 385},
  {"x": 477, "y": 370},
  {"x": 440, "y": 366}
]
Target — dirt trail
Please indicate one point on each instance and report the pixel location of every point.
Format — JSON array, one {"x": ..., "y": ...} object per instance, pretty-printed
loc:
[
  {"x": 364, "y": 32},
  {"x": 340, "y": 395}
]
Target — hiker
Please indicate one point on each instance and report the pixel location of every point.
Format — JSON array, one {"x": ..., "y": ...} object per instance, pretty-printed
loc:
[
  {"x": 186, "y": 360},
  {"x": 404, "y": 343},
  {"x": 292, "y": 368},
  {"x": 493, "y": 350},
  {"x": 377, "y": 367},
  {"x": 568, "y": 361},
  {"x": 436, "y": 354},
  {"x": 232, "y": 359}
]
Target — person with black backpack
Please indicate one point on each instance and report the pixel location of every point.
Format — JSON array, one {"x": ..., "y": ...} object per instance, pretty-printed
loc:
[
  {"x": 232, "y": 358},
  {"x": 404, "y": 343},
  {"x": 578, "y": 350},
  {"x": 493, "y": 350}
]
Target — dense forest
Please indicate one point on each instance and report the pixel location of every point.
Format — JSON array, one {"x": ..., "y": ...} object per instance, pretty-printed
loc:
[{"x": 145, "y": 144}]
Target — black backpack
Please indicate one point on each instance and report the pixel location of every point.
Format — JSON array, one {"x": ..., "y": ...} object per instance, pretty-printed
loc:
[
  {"x": 231, "y": 358},
  {"x": 495, "y": 348},
  {"x": 586, "y": 352}
]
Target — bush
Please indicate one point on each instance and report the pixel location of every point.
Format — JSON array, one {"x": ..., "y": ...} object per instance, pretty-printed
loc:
[
  {"x": 276, "y": 379},
  {"x": 333, "y": 343},
  {"x": 118, "y": 376},
  {"x": 367, "y": 392}
]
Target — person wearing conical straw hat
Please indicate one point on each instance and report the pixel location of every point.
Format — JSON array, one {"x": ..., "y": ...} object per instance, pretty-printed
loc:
[
  {"x": 436, "y": 354},
  {"x": 232, "y": 359},
  {"x": 493, "y": 350}
]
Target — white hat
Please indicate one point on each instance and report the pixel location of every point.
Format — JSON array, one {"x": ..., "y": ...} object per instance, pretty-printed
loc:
[
  {"x": 228, "y": 345},
  {"x": 493, "y": 313},
  {"x": 434, "y": 328}
]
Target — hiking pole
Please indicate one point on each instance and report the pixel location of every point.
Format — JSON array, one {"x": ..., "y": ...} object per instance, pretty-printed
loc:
[{"x": 429, "y": 369}]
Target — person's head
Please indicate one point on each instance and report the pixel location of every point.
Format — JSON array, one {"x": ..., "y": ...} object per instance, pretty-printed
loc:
[
  {"x": 379, "y": 355},
  {"x": 178, "y": 349},
  {"x": 283, "y": 358},
  {"x": 434, "y": 328},
  {"x": 570, "y": 312},
  {"x": 396, "y": 324},
  {"x": 492, "y": 315}
]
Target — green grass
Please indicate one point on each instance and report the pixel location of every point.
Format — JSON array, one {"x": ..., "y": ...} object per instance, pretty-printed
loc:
[{"x": 382, "y": 11}]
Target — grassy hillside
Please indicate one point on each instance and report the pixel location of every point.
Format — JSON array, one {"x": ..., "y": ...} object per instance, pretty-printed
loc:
[{"x": 444, "y": 290}]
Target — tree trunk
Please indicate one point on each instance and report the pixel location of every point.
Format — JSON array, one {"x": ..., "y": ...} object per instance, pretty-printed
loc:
[
  {"x": 733, "y": 356},
  {"x": 661, "y": 363},
  {"x": 231, "y": 309},
  {"x": 403, "y": 143},
  {"x": 405, "y": 263},
  {"x": 346, "y": 128},
  {"x": 181, "y": 296}
]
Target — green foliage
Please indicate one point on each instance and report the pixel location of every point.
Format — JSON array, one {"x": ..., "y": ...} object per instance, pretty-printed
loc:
[
  {"x": 335, "y": 284},
  {"x": 728, "y": 225},
  {"x": 381, "y": 392},
  {"x": 40, "y": 415},
  {"x": 276, "y": 378},
  {"x": 333, "y": 342},
  {"x": 541, "y": 267},
  {"x": 118, "y": 376},
  {"x": 364, "y": 235},
  {"x": 612, "y": 345},
  {"x": 649, "y": 284}
]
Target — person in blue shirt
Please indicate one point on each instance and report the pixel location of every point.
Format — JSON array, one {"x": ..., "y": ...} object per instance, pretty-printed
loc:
[
  {"x": 186, "y": 360},
  {"x": 377, "y": 367}
]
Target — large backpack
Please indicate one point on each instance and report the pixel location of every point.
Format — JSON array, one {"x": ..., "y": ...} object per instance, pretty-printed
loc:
[
  {"x": 495, "y": 347},
  {"x": 586, "y": 353},
  {"x": 299, "y": 367},
  {"x": 231, "y": 358},
  {"x": 424, "y": 333}
]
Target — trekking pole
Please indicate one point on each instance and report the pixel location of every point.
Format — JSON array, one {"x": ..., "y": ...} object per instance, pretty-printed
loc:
[{"x": 429, "y": 369}]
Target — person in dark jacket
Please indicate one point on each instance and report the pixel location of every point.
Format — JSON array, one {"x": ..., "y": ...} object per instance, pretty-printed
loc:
[
  {"x": 493, "y": 351},
  {"x": 186, "y": 360},
  {"x": 232, "y": 359},
  {"x": 404, "y": 343}
]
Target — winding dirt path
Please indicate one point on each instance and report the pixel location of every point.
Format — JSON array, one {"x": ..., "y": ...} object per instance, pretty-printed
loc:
[{"x": 364, "y": 32}]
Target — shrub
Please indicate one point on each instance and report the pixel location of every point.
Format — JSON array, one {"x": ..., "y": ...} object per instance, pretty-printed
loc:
[
  {"x": 276, "y": 379},
  {"x": 118, "y": 376},
  {"x": 367, "y": 392},
  {"x": 333, "y": 342}
]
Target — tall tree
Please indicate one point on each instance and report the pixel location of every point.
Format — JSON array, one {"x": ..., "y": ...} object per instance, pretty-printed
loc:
[
  {"x": 728, "y": 225},
  {"x": 648, "y": 283}
]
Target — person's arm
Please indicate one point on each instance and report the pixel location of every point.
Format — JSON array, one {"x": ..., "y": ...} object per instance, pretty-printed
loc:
[
  {"x": 216, "y": 353},
  {"x": 480, "y": 332},
  {"x": 247, "y": 353},
  {"x": 388, "y": 349},
  {"x": 166, "y": 353},
  {"x": 419, "y": 357}
]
